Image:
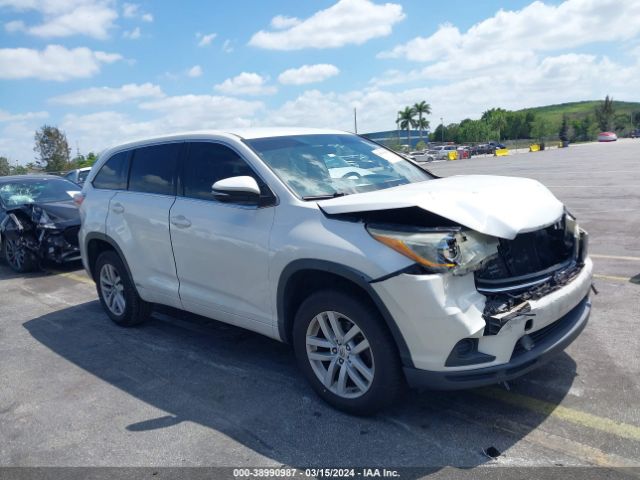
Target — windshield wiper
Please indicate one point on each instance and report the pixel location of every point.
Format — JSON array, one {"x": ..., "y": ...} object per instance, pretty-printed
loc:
[{"x": 324, "y": 197}]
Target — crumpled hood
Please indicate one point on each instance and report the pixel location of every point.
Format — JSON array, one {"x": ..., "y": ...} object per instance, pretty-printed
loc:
[
  {"x": 66, "y": 210},
  {"x": 498, "y": 206}
]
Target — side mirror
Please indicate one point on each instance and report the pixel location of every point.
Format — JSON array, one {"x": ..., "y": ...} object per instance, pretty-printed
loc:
[{"x": 236, "y": 189}]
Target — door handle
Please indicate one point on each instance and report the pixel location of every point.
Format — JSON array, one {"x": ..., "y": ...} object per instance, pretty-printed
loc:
[
  {"x": 117, "y": 208},
  {"x": 180, "y": 221}
]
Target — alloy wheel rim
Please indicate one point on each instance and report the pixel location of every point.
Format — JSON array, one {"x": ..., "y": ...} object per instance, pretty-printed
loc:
[
  {"x": 112, "y": 289},
  {"x": 340, "y": 354},
  {"x": 15, "y": 254}
]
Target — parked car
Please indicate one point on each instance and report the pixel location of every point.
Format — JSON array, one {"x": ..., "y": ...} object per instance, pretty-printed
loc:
[
  {"x": 392, "y": 278},
  {"x": 38, "y": 220},
  {"x": 424, "y": 156},
  {"x": 481, "y": 149},
  {"x": 79, "y": 175},
  {"x": 635, "y": 134},
  {"x": 493, "y": 146},
  {"x": 607, "y": 137},
  {"x": 441, "y": 152}
]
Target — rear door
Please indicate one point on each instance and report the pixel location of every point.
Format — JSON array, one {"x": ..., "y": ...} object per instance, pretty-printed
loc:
[
  {"x": 221, "y": 248},
  {"x": 138, "y": 220}
]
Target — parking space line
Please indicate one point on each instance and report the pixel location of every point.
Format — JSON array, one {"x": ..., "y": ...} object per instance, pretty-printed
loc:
[
  {"x": 612, "y": 277},
  {"x": 619, "y": 429},
  {"x": 72, "y": 276},
  {"x": 614, "y": 257},
  {"x": 550, "y": 441}
]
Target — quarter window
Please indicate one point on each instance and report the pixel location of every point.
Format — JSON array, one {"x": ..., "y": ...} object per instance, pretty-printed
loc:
[
  {"x": 113, "y": 174},
  {"x": 209, "y": 162},
  {"x": 153, "y": 169}
]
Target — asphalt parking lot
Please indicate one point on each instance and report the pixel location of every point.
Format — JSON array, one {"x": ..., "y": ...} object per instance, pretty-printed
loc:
[{"x": 76, "y": 390}]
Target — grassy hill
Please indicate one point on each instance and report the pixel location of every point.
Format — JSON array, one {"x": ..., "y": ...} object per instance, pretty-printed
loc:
[{"x": 575, "y": 110}]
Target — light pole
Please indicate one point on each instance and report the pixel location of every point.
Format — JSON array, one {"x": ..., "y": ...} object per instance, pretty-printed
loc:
[{"x": 442, "y": 129}]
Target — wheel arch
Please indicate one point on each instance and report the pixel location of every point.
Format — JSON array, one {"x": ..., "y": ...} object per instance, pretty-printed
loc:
[
  {"x": 295, "y": 284},
  {"x": 95, "y": 244}
]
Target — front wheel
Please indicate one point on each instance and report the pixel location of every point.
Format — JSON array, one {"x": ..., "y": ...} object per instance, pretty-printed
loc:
[
  {"x": 18, "y": 257},
  {"x": 347, "y": 353}
]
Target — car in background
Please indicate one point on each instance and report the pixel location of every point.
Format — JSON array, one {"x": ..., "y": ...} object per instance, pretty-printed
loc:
[
  {"x": 340, "y": 168},
  {"x": 424, "y": 156},
  {"x": 607, "y": 137},
  {"x": 635, "y": 133},
  {"x": 441, "y": 152},
  {"x": 493, "y": 146},
  {"x": 38, "y": 220},
  {"x": 78, "y": 175}
]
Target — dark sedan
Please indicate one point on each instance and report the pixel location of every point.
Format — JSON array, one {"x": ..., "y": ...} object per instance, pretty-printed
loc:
[{"x": 38, "y": 220}]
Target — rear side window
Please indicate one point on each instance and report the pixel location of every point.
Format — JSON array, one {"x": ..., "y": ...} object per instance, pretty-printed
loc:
[
  {"x": 153, "y": 169},
  {"x": 113, "y": 174},
  {"x": 209, "y": 162}
]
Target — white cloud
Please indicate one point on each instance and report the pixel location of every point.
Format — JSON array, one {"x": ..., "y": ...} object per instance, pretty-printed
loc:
[
  {"x": 308, "y": 74},
  {"x": 280, "y": 22},
  {"x": 93, "y": 18},
  {"x": 189, "y": 112},
  {"x": 109, "y": 95},
  {"x": 246, "y": 84},
  {"x": 132, "y": 10},
  {"x": 206, "y": 39},
  {"x": 55, "y": 62},
  {"x": 14, "y": 26},
  {"x": 195, "y": 71},
  {"x": 132, "y": 34},
  {"x": 227, "y": 46},
  {"x": 346, "y": 22},
  {"x": 19, "y": 117},
  {"x": 537, "y": 27},
  {"x": 169, "y": 115}
]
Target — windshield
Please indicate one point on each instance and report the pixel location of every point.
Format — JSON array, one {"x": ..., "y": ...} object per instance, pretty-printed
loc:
[
  {"x": 331, "y": 165},
  {"x": 41, "y": 190}
]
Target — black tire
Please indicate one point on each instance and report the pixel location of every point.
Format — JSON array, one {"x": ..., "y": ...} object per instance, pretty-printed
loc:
[
  {"x": 388, "y": 380},
  {"x": 136, "y": 310},
  {"x": 24, "y": 262}
]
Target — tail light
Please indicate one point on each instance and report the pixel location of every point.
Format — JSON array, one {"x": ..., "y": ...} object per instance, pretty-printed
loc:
[{"x": 78, "y": 198}]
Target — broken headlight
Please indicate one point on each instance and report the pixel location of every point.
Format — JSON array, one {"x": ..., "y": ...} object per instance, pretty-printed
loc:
[
  {"x": 457, "y": 251},
  {"x": 40, "y": 217}
]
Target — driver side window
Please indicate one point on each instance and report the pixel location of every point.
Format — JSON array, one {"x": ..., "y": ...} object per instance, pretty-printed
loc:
[{"x": 209, "y": 162}]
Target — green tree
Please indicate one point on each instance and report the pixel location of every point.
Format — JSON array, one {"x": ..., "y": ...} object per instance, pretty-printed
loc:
[
  {"x": 19, "y": 170},
  {"x": 585, "y": 129},
  {"x": 635, "y": 119},
  {"x": 421, "y": 145},
  {"x": 407, "y": 121},
  {"x": 422, "y": 108},
  {"x": 5, "y": 168},
  {"x": 541, "y": 130},
  {"x": 496, "y": 118},
  {"x": 604, "y": 114},
  {"x": 564, "y": 129},
  {"x": 52, "y": 149}
]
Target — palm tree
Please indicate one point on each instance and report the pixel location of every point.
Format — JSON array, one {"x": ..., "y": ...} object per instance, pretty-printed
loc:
[
  {"x": 422, "y": 108},
  {"x": 407, "y": 121}
]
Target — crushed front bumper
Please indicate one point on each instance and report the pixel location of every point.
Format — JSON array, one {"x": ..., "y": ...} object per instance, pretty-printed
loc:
[
  {"x": 435, "y": 312},
  {"x": 565, "y": 330}
]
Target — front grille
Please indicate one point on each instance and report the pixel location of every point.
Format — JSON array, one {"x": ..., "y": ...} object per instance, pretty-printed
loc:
[
  {"x": 71, "y": 235},
  {"x": 528, "y": 257}
]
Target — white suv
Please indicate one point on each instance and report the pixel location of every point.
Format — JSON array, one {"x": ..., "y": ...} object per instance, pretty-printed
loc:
[{"x": 380, "y": 279}]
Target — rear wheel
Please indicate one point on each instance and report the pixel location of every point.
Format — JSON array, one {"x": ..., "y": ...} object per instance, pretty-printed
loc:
[
  {"x": 346, "y": 353},
  {"x": 18, "y": 257},
  {"x": 117, "y": 292}
]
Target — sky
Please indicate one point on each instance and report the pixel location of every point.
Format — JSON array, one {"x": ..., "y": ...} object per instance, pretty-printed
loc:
[{"x": 108, "y": 71}]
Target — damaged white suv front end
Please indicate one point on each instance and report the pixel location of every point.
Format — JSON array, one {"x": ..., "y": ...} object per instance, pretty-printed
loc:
[{"x": 500, "y": 279}]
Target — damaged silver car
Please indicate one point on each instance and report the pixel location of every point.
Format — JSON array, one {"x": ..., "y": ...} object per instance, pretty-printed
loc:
[{"x": 38, "y": 221}]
